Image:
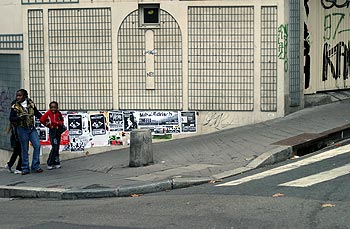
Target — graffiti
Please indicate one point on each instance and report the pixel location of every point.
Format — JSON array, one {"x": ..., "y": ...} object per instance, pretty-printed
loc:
[
  {"x": 150, "y": 74},
  {"x": 217, "y": 120},
  {"x": 151, "y": 52},
  {"x": 6, "y": 97},
  {"x": 283, "y": 45},
  {"x": 307, "y": 9},
  {"x": 328, "y": 4},
  {"x": 337, "y": 60},
  {"x": 338, "y": 19},
  {"x": 307, "y": 56}
]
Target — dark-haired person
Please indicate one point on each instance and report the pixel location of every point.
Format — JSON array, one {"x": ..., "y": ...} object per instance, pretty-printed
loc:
[
  {"x": 53, "y": 119},
  {"x": 22, "y": 115}
]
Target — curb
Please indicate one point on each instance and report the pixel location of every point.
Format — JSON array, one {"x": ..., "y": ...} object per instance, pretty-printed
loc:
[{"x": 122, "y": 191}]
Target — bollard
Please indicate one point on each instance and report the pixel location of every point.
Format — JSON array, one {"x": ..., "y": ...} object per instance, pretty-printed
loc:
[{"x": 141, "y": 152}]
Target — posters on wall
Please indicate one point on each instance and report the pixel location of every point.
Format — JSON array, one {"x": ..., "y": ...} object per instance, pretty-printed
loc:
[{"x": 85, "y": 130}]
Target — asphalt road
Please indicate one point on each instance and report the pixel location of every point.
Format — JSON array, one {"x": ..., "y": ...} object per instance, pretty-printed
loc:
[{"x": 308, "y": 192}]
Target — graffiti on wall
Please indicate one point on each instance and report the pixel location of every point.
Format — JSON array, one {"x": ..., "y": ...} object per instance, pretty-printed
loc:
[
  {"x": 283, "y": 45},
  {"x": 336, "y": 58},
  {"x": 217, "y": 120},
  {"x": 329, "y": 4},
  {"x": 307, "y": 56},
  {"x": 341, "y": 22},
  {"x": 6, "y": 97}
]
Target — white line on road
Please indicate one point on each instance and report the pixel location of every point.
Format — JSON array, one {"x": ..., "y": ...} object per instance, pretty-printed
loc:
[
  {"x": 318, "y": 178},
  {"x": 291, "y": 166}
]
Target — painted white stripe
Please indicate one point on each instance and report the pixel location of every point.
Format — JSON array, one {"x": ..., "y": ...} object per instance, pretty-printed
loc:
[
  {"x": 318, "y": 178},
  {"x": 291, "y": 166}
]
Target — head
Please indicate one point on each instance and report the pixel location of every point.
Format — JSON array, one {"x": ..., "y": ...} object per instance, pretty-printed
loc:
[
  {"x": 53, "y": 106},
  {"x": 21, "y": 95}
]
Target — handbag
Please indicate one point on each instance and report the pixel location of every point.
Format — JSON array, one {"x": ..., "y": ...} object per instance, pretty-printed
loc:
[{"x": 62, "y": 129}]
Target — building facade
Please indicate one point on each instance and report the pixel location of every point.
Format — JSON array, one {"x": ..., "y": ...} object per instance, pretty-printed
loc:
[{"x": 229, "y": 62}]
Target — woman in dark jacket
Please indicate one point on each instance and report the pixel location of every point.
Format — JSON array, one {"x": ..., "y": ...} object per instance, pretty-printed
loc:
[{"x": 22, "y": 115}]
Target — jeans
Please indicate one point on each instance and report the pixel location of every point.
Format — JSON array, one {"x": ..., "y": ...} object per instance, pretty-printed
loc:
[
  {"x": 25, "y": 135},
  {"x": 55, "y": 138}
]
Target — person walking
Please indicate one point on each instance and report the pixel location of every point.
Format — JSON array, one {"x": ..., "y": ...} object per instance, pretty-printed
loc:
[
  {"x": 16, "y": 145},
  {"x": 22, "y": 115},
  {"x": 53, "y": 119}
]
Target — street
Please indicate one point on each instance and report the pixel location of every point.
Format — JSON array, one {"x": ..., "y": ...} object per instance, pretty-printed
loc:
[{"x": 308, "y": 192}]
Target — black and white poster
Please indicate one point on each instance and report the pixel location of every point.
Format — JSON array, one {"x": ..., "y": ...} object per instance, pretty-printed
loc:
[
  {"x": 98, "y": 124},
  {"x": 129, "y": 121},
  {"x": 41, "y": 129},
  {"x": 115, "y": 121},
  {"x": 159, "y": 122},
  {"x": 188, "y": 122},
  {"x": 75, "y": 124}
]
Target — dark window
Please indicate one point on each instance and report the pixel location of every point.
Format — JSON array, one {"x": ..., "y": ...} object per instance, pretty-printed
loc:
[{"x": 151, "y": 15}]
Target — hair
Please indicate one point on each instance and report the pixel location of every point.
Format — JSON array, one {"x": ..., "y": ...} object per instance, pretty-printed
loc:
[
  {"x": 53, "y": 102},
  {"x": 23, "y": 92}
]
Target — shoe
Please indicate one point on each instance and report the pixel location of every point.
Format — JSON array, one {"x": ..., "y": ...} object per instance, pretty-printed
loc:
[
  {"x": 57, "y": 166},
  {"x": 25, "y": 172},
  {"x": 17, "y": 172},
  {"x": 39, "y": 170},
  {"x": 8, "y": 168},
  {"x": 49, "y": 167}
]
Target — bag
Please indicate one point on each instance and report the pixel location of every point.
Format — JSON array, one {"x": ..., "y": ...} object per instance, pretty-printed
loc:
[{"x": 61, "y": 129}]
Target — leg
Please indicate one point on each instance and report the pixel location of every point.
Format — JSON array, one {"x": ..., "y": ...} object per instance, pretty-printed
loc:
[
  {"x": 23, "y": 136},
  {"x": 34, "y": 139},
  {"x": 12, "y": 158},
  {"x": 53, "y": 140},
  {"x": 57, "y": 156},
  {"x": 17, "y": 152}
]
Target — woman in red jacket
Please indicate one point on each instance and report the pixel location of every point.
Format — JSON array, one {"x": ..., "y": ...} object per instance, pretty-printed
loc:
[{"x": 54, "y": 121}]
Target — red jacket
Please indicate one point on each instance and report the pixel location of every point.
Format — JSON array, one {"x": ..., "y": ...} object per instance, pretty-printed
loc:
[{"x": 52, "y": 120}]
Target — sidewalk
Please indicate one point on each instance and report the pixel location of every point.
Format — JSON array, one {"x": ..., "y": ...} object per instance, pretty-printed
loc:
[{"x": 184, "y": 162}]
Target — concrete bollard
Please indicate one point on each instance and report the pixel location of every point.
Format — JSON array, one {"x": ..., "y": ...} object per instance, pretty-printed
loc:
[{"x": 141, "y": 152}]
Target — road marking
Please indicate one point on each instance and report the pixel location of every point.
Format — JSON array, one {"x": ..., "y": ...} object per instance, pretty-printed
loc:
[
  {"x": 318, "y": 178},
  {"x": 291, "y": 166}
]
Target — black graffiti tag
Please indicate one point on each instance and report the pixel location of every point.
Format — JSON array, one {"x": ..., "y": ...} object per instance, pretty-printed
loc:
[
  {"x": 337, "y": 60},
  {"x": 328, "y": 4}
]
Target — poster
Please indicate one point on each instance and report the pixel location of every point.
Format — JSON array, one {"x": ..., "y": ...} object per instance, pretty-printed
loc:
[
  {"x": 188, "y": 122},
  {"x": 98, "y": 124},
  {"x": 98, "y": 129},
  {"x": 129, "y": 120},
  {"x": 115, "y": 121},
  {"x": 159, "y": 122},
  {"x": 80, "y": 137},
  {"x": 75, "y": 124}
]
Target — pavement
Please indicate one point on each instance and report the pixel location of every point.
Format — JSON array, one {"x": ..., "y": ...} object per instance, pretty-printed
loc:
[{"x": 189, "y": 161}]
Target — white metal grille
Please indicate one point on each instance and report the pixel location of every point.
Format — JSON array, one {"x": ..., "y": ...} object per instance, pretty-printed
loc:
[
  {"x": 268, "y": 64},
  {"x": 36, "y": 57},
  {"x": 80, "y": 48},
  {"x": 221, "y": 58}
]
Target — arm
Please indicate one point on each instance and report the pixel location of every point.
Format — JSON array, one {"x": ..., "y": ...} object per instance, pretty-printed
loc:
[
  {"x": 37, "y": 113},
  {"x": 60, "y": 119},
  {"x": 14, "y": 118},
  {"x": 43, "y": 118}
]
